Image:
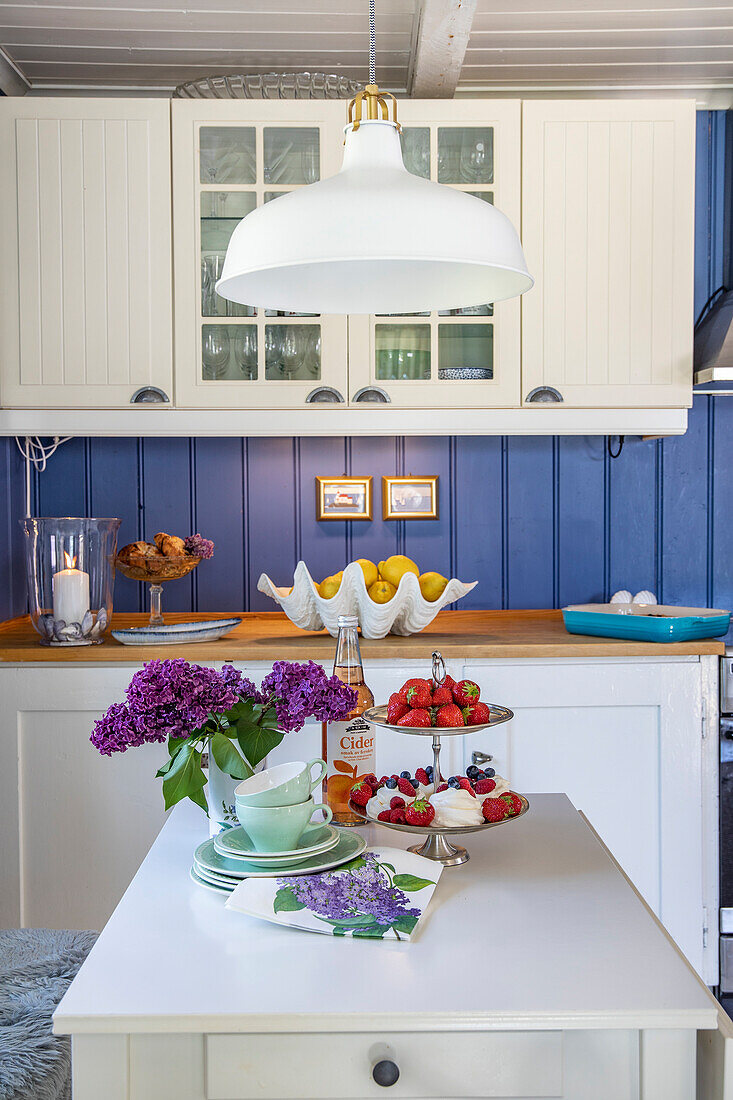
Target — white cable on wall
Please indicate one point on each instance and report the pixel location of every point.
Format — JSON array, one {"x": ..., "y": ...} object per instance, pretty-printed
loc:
[{"x": 36, "y": 453}]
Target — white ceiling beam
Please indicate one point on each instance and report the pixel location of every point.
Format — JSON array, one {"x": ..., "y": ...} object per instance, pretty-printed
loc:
[
  {"x": 440, "y": 37},
  {"x": 12, "y": 80}
]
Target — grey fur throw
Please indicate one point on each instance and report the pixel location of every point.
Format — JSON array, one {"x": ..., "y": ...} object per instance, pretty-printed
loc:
[{"x": 36, "y": 968}]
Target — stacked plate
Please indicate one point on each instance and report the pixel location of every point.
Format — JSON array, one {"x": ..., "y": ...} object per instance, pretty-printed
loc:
[{"x": 221, "y": 863}]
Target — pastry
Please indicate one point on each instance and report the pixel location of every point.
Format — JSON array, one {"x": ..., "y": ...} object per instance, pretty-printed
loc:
[{"x": 170, "y": 545}]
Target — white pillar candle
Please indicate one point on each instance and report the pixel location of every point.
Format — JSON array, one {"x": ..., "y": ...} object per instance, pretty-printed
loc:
[{"x": 70, "y": 593}]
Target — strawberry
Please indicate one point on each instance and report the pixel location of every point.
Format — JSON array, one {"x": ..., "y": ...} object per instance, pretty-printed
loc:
[
  {"x": 422, "y": 776},
  {"x": 419, "y": 717},
  {"x": 476, "y": 714},
  {"x": 494, "y": 809},
  {"x": 361, "y": 792},
  {"x": 396, "y": 708},
  {"x": 395, "y": 697},
  {"x": 449, "y": 716},
  {"x": 397, "y": 817},
  {"x": 396, "y": 803},
  {"x": 512, "y": 800},
  {"x": 484, "y": 786},
  {"x": 442, "y": 695},
  {"x": 384, "y": 816},
  {"x": 466, "y": 692},
  {"x": 417, "y": 682},
  {"x": 418, "y": 696},
  {"x": 404, "y": 786},
  {"x": 372, "y": 780},
  {"x": 441, "y": 787},
  {"x": 419, "y": 813},
  {"x": 449, "y": 682},
  {"x": 465, "y": 785}
]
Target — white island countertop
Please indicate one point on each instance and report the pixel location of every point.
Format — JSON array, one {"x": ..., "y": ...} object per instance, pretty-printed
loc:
[{"x": 538, "y": 930}]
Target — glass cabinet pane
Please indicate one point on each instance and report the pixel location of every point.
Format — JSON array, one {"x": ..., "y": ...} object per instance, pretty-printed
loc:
[
  {"x": 229, "y": 352},
  {"x": 221, "y": 211},
  {"x": 291, "y": 154},
  {"x": 227, "y": 154},
  {"x": 465, "y": 352},
  {"x": 402, "y": 351},
  {"x": 465, "y": 154},
  {"x": 416, "y": 150},
  {"x": 292, "y": 352}
]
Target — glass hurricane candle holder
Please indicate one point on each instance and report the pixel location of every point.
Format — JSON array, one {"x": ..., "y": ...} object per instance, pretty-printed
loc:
[{"x": 70, "y": 569}]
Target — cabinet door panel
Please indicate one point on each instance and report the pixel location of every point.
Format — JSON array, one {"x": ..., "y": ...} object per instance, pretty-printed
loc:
[
  {"x": 86, "y": 310},
  {"x": 607, "y": 226}
]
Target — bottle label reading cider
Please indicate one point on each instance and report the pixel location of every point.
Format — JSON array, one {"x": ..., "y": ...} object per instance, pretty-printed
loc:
[{"x": 348, "y": 747}]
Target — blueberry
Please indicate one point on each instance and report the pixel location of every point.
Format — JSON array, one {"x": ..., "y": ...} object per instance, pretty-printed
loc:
[
  {"x": 490, "y": 773},
  {"x": 481, "y": 775},
  {"x": 404, "y": 775},
  {"x": 429, "y": 771},
  {"x": 472, "y": 771},
  {"x": 415, "y": 783},
  {"x": 391, "y": 783},
  {"x": 453, "y": 782}
]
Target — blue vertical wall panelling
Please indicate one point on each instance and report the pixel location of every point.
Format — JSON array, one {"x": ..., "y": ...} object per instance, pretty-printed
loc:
[
  {"x": 539, "y": 522},
  {"x": 12, "y": 509}
]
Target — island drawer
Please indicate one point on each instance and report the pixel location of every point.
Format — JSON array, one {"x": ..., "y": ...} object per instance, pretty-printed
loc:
[{"x": 339, "y": 1067}]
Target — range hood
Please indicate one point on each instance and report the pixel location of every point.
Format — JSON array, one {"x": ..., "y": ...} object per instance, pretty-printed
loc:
[{"x": 713, "y": 357}]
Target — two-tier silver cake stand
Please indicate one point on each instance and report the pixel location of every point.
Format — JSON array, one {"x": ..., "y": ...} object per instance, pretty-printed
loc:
[{"x": 437, "y": 845}]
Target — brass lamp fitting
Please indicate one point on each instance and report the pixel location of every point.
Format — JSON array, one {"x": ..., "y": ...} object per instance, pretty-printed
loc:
[{"x": 376, "y": 103}]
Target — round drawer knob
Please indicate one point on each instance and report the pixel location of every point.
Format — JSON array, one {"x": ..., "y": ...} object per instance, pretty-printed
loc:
[{"x": 386, "y": 1073}]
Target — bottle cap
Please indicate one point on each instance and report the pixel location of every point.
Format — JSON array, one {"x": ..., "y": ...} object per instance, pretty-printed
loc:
[{"x": 347, "y": 620}]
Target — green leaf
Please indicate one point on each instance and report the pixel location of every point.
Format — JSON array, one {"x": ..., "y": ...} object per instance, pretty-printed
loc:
[
  {"x": 185, "y": 778},
  {"x": 390, "y": 866},
  {"x": 375, "y": 932},
  {"x": 227, "y": 757},
  {"x": 175, "y": 744},
  {"x": 351, "y": 922},
  {"x": 286, "y": 901},
  {"x": 411, "y": 883},
  {"x": 256, "y": 741},
  {"x": 405, "y": 924},
  {"x": 199, "y": 798},
  {"x": 353, "y": 864}
]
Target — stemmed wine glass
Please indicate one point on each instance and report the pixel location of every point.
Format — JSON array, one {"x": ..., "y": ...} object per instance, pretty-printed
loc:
[
  {"x": 215, "y": 351},
  {"x": 474, "y": 165},
  {"x": 312, "y": 351},
  {"x": 245, "y": 350},
  {"x": 291, "y": 353}
]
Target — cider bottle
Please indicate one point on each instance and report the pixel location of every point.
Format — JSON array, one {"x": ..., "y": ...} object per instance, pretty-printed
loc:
[{"x": 348, "y": 746}]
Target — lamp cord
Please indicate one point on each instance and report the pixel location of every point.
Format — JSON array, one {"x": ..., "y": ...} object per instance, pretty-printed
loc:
[
  {"x": 36, "y": 453},
  {"x": 372, "y": 45}
]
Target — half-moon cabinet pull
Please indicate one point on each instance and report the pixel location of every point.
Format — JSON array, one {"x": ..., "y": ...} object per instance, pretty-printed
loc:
[
  {"x": 324, "y": 395},
  {"x": 543, "y": 395},
  {"x": 386, "y": 1073},
  {"x": 150, "y": 395},
  {"x": 372, "y": 395}
]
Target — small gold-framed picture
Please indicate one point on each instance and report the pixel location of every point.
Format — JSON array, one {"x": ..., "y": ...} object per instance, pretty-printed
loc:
[
  {"x": 410, "y": 497},
  {"x": 344, "y": 497}
]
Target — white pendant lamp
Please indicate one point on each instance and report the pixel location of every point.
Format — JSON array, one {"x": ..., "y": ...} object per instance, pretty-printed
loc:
[{"x": 373, "y": 238}]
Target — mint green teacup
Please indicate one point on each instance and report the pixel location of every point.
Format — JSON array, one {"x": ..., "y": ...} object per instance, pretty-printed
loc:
[
  {"x": 283, "y": 785},
  {"x": 278, "y": 828}
]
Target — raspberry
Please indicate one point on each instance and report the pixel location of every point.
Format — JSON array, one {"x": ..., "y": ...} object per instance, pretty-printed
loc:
[
  {"x": 371, "y": 779},
  {"x": 383, "y": 780},
  {"x": 396, "y": 803},
  {"x": 441, "y": 787},
  {"x": 465, "y": 785},
  {"x": 361, "y": 792},
  {"x": 494, "y": 809},
  {"x": 485, "y": 786},
  {"x": 404, "y": 786},
  {"x": 422, "y": 776},
  {"x": 397, "y": 817},
  {"x": 513, "y": 802},
  {"x": 384, "y": 816}
]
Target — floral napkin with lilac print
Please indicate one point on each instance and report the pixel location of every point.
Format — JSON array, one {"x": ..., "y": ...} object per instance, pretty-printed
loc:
[{"x": 382, "y": 894}]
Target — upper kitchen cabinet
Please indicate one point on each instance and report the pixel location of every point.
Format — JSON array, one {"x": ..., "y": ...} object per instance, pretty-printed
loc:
[
  {"x": 228, "y": 158},
  {"x": 85, "y": 235},
  {"x": 607, "y": 228},
  {"x": 464, "y": 357}
]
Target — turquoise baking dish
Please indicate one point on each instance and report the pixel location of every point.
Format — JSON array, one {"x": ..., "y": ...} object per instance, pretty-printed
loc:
[{"x": 645, "y": 622}]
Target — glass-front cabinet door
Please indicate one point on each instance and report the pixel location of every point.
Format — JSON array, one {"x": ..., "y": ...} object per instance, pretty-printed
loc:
[
  {"x": 459, "y": 357},
  {"x": 230, "y": 157}
]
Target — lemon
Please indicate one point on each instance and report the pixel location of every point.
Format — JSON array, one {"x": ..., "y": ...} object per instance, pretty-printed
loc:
[
  {"x": 329, "y": 587},
  {"x": 379, "y": 569},
  {"x": 381, "y": 591},
  {"x": 369, "y": 570},
  {"x": 394, "y": 568},
  {"x": 432, "y": 586}
]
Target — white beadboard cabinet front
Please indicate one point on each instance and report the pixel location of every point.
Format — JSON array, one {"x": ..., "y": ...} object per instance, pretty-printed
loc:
[
  {"x": 607, "y": 226},
  {"x": 85, "y": 236}
]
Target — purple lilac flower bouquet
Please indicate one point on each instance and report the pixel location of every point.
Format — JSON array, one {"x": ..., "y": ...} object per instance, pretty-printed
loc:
[{"x": 195, "y": 709}]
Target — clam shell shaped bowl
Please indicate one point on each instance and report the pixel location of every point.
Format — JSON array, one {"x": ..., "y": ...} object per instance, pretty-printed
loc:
[{"x": 407, "y": 612}]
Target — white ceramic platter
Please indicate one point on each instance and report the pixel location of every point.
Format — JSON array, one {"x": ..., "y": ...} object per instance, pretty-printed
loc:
[{"x": 176, "y": 633}]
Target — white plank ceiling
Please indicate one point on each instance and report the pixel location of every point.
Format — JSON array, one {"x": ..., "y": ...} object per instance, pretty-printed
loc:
[{"x": 513, "y": 44}]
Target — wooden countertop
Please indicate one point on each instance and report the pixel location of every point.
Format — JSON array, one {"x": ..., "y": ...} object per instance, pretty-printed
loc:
[{"x": 267, "y": 636}]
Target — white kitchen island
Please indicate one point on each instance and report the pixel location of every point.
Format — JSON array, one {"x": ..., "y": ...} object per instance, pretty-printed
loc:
[{"x": 539, "y": 972}]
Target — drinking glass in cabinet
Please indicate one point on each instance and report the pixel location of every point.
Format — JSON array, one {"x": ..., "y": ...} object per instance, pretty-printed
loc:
[
  {"x": 215, "y": 351},
  {"x": 227, "y": 154},
  {"x": 416, "y": 150},
  {"x": 212, "y": 304},
  {"x": 465, "y": 352},
  {"x": 292, "y": 352},
  {"x": 245, "y": 351},
  {"x": 221, "y": 212},
  {"x": 292, "y": 155},
  {"x": 465, "y": 154},
  {"x": 402, "y": 352}
]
